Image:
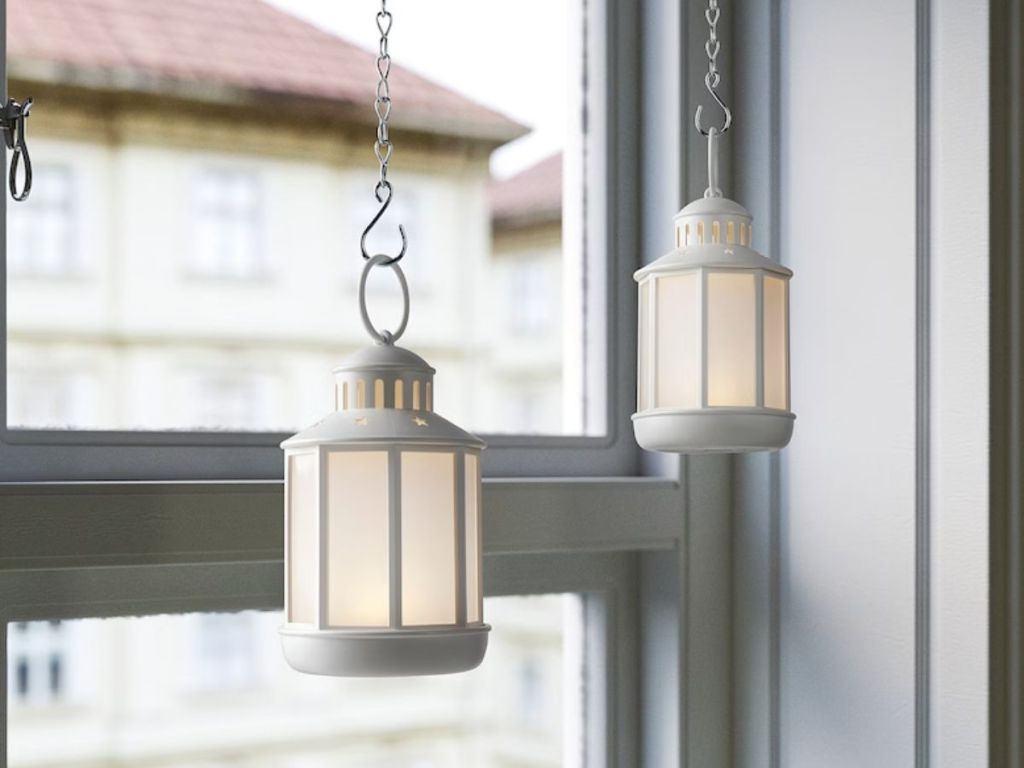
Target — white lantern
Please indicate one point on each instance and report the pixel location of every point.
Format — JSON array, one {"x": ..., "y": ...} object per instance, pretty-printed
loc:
[
  {"x": 382, "y": 521},
  {"x": 382, "y": 503},
  {"x": 713, "y": 341}
]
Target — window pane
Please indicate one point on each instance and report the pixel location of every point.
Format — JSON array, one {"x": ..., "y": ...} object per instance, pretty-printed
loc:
[
  {"x": 204, "y": 172},
  {"x": 209, "y": 690}
]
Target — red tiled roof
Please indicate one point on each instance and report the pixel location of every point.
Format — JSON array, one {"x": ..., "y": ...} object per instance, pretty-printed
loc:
[
  {"x": 242, "y": 44},
  {"x": 531, "y": 196}
]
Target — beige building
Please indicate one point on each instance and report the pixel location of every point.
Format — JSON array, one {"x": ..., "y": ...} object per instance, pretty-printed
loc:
[
  {"x": 189, "y": 255},
  {"x": 526, "y": 277}
]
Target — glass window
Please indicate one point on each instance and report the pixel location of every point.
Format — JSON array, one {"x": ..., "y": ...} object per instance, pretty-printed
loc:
[
  {"x": 238, "y": 400},
  {"x": 50, "y": 397},
  {"x": 41, "y": 236},
  {"x": 37, "y": 653},
  {"x": 227, "y": 179},
  {"x": 213, "y": 690},
  {"x": 531, "y": 295},
  {"x": 228, "y": 223}
]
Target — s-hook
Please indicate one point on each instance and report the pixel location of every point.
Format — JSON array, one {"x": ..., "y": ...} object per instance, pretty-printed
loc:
[
  {"x": 383, "y": 194},
  {"x": 12, "y": 121}
]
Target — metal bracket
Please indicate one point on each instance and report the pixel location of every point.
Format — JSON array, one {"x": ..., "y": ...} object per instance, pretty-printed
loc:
[{"x": 12, "y": 121}]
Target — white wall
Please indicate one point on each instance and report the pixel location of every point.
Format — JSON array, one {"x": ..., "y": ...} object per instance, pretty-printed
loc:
[{"x": 861, "y": 630}]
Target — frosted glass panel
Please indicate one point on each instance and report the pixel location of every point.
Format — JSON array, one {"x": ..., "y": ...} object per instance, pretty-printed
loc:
[
  {"x": 644, "y": 357},
  {"x": 474, "y": 596},
  {"x": 302, "y": 523},
  {"x": 428, "y": 538},
  {"x": 732, "y": 339},
  {"x": 776, "y": 385},
  {"x": 357, "y": 530},
  {"x": 678, "y": 356}
]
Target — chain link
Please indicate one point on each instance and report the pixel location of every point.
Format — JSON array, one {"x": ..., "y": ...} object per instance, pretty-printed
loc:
[
  {"x": 713, "y": 44},
  {"x": 383, "y": 147},
  {"x": 712, "y": 79}
]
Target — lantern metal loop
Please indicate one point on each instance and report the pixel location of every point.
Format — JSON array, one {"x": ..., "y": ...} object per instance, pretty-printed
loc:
[{"x": 383, "y": 337}]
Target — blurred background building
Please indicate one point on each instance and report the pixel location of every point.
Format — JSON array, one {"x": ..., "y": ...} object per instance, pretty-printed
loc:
[
  {"x": 189, "y": 256},
  {"x": 212, "y": 690}
]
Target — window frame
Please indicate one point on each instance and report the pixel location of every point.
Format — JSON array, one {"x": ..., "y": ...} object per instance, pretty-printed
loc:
[
  {"x": 534, "y": 543},
  {"x": 613, "y": 246}
]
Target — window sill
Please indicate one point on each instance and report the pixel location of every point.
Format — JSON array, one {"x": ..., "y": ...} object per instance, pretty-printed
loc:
[{"x": 81, "y": 525}]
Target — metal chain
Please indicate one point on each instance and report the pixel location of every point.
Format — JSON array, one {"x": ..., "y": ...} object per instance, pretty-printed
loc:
[
  {"x": 713, "y": 78},
  {"x": 383, "y": 147},
  {"x": 713, "y": 44}
]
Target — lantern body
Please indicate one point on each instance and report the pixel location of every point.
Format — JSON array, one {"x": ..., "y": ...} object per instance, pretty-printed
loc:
[
  {"x": 382, "y": 523},
  {"x": 713, "y": 364}
]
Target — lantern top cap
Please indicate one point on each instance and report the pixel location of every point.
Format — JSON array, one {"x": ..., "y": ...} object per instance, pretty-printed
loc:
[
  {"x": 385, "y": 427},
  {"x": 386, "y": 358},
  {"x": 715, "y": 206}
]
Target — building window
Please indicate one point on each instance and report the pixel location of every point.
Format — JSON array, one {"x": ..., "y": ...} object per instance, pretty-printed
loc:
[
  {"x": 36, "y": 662},
  {"x": 228, "y": 222},
  {"x": 228, "y": 401},
  {"x": 50, "y": 399},
  {"x": 41, "y": 237},
  {"x": 532, "y": 693},
  {"x": 529, "y": 297},
  {"x": 226, "y": 651}
]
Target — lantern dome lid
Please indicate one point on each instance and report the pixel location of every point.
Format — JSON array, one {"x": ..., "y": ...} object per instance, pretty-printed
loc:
[
  {"x": 385, "y": 427},
  {"x": 384, "y": 358},
  {"x": 380, "y": 423},
  {"x": 714, "y": 214},
  {"x": 712, "y": 206}
]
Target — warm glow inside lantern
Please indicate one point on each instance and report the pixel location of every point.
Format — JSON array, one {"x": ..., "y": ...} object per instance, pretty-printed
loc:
[
  {"x": 382, "y": 521},
  {"x": 714, "y": 339}
]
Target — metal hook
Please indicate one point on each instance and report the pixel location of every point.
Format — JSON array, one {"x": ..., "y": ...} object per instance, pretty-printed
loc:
[
  {"x": 718, "y": 100},
  {"x": 12, "y": 121},
  {"x": 385, "y": 200}
]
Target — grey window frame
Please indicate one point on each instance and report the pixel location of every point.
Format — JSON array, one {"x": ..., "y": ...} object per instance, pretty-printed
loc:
[{"x": 648, "y": 539}]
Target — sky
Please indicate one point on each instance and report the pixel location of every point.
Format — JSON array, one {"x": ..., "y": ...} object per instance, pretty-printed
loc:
[{"x": 511, "y": 61}]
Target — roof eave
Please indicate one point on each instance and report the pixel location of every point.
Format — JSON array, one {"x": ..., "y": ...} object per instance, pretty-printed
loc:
[{"x": 134, "y": 81}]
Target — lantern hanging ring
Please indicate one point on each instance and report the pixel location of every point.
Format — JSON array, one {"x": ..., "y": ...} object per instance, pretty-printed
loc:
[{"x": 383, "y": 336}]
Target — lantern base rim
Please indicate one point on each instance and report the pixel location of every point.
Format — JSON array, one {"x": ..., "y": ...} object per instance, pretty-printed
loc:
[
  {"x": 384, "y": 652},
  {"x": 713, "y": 430}
]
